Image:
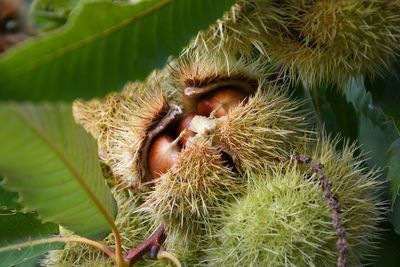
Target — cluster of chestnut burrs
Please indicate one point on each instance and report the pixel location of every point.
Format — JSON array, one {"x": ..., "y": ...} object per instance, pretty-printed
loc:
[
  {"x": 224, "y": 150},
  {"x": 191, "y": 160}
]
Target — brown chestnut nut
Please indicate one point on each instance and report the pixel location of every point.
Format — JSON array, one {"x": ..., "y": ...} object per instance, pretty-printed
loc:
[
  {"x": 220, "y": 101},
  {"x": 163, "y": 154},
  {"x": 184, "y": 124}
]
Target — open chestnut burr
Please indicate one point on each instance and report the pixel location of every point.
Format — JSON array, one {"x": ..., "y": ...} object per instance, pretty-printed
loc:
[{"x": 166, "y": 147}]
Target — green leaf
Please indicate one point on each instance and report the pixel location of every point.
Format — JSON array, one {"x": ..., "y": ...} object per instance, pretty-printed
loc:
[
  {"x": 8, "y": 200},
  {"x": 103, "y": 46},
  {"x": 379, "y": 138},
  {"x": 52, "y": 163},
  {"x": 387, "y": 254},
  {"x": 49, "y": 14},
  {"x": 376, "y": 132},
  {"x": 393, "y": 174},
  {"x": 395, "y": 217},
  {"x": 17, "y": 227},
  {"x": 385, "y": 91},
  {"x": 336, "y": 114},
  {"x": 32, "y": 262}
]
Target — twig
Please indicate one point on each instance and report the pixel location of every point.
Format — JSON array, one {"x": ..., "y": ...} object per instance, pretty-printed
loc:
[
  {"x": 56, "y": 239},
  {"x": 166, "y": 255},
  {"x": 333, "y": 203},
  {"x": 152, "y": 245}
]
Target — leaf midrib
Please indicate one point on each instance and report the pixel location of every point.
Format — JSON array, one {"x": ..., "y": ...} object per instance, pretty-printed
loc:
[
  {"x": 67, "y": 163},
  {"x": 90, "y": 39}
]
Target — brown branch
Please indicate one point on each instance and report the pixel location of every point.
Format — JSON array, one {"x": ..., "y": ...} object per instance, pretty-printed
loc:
[
  {"x": 333, "y": 203},
  {"x": 152, "y": 244}
]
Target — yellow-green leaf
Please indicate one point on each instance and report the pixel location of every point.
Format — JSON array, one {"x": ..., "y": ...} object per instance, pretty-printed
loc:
[{"x": 52, "y": 163}]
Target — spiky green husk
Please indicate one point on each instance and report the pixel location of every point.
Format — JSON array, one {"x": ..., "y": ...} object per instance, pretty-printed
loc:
[
  {"x": 329, "y": 41},
  {"x": 188, "y": 196},
  {"x": 121, "y": 123},
  {"x": 264, "y": 130},
  {"x": 285, "y": 220},
  {"x": 323, "y": 41},
  {"x": 279, "y": 223},
  {"x": 188, "y": 252},
  {"x": 240, "y": 31},
  {"x": 133, "y": 230},
  {"x": 357, "y": 189}
]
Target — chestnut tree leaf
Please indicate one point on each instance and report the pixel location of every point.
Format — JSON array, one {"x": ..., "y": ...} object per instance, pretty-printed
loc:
[
  {"x": 387, "y": 248},
  {"x": 394, "y": 169},
  {"x": 385, "y": 90},
  {"x": 336, "y": 115},
  {"x": 17, "y": 227},
  {"x": 379, "y": 138},
  {"x": 52, "y": 163},
  {"x": 102, "y": 46},
  {"x": 376, "y": 132},
  {"x": 48, "y": 15},
  {"x": 8, "y": 200}
]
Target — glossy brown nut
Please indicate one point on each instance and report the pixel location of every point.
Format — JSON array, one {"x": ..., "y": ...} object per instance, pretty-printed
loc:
[
  {"x": 163, "y": 155},
  {"x": 184, "y": 124},
  {"x": 221, "y": 101}
]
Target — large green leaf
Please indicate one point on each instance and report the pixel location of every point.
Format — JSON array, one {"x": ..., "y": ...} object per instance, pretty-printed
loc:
[
  {"x": 52, "y": 163},
  {"x": 103, "y": 46},
  {"x": 379, "y": 138},
  {"x": 17, "y": 227}
]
